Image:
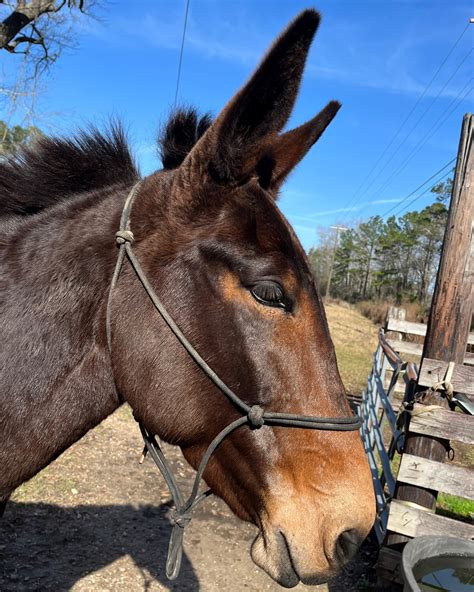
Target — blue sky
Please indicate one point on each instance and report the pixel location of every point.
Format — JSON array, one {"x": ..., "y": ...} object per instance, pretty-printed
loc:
[{"x": 376, "y": 57}]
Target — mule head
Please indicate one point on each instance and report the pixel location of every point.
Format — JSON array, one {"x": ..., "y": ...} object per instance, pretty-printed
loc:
[{"x": 235, "y": 278}]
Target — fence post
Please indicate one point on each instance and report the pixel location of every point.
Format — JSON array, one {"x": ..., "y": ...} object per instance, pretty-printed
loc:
[{"x": 451, "y": 309}]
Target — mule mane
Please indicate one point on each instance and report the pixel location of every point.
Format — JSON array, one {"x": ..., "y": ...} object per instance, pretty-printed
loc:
[{"x": 54, "y": 169}]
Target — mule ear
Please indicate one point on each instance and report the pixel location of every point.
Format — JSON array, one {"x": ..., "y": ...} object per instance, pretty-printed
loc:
[
  {"x": 285, "y": 151},
  {"x": 232, "y": 145}
]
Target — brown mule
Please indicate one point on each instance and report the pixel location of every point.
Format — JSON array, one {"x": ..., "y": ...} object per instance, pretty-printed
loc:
[{"x": 229, "y": 269}]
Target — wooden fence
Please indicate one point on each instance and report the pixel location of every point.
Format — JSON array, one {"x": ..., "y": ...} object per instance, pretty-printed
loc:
[
  {"x": 418, "y": 435},
  {"x": 385, "y": 424},
  {"x": 406, "y": 330}
]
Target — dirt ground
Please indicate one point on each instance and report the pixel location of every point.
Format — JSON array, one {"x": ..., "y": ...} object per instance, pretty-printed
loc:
[{"x": 97, "y": 521}]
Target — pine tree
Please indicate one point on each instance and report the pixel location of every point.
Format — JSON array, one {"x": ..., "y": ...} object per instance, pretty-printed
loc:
[{"x": 11, "y": 138}]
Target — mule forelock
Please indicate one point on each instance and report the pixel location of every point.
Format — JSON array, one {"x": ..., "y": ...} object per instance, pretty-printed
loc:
[{"x": 178, "y": 136}]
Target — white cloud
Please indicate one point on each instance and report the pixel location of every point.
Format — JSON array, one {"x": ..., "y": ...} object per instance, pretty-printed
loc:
[
  {"x": 390, "y": 64},
  {"x": 382, "y": 201},
  {"x": 353, "y": 208}
]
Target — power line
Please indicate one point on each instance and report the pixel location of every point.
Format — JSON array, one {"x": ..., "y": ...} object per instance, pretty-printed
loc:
[
  {"x": 458, "y": 102},
  {"x": 178, "y": 78},
  {"x": 416, "y": 125},
  {"x": 397, "y": 133},
  {"x": 419, "y": 187},
  {"x": 429, "y": 134},
  {"x": 421, "y": 194}
]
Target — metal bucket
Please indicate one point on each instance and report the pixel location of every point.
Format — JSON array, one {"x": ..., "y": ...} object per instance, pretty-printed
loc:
[{"x": 430, "y": 549}]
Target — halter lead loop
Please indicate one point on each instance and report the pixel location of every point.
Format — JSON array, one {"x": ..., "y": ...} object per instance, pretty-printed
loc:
[{"x": 254, "y": 416}]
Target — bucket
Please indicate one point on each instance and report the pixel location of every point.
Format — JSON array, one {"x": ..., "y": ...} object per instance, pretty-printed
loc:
[{"x": 438, "y": 563}]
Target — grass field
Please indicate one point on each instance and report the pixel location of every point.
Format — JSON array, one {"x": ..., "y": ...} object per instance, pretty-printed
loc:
[{"x": 355, "y": 340}]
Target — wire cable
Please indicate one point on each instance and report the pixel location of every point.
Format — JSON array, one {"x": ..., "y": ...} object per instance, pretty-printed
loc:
[
  {"x": 420, "y": 186},
  {"x": 429, "y": 134},
  {"x": 178, "y": 78},
  {"x": 420, "y": 98},
  {"x": 422, "y": 194},
  {"x": 414, "y": 127}
]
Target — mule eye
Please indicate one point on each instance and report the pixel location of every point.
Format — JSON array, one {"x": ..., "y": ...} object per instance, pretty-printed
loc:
[{"x": 269, "y": 293}]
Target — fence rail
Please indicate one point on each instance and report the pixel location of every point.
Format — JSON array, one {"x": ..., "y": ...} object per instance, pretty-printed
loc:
[
  {"x": 383, "y": 434},
  {"x": 414, "y": 522},
  {"x": 411, "y": 328},
  {"x": 404, "y": 328},
  {"x": 444, "y": 424}
]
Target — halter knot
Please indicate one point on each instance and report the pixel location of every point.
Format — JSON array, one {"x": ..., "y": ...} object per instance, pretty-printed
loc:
[
  {"x": 255, "y": 416},
  {"x": 181, "y": 520},
  {"x": 124, "y": 236}
]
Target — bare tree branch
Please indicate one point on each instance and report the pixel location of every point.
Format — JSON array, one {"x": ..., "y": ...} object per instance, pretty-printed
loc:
[
  {"x": 38, "y": 31},
  {"x": 25, "y": 13},
  {"x": 21, "y": 17}
]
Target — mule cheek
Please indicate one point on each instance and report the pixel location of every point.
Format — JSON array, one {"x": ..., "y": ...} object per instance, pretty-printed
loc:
[{"x": 234, "y": 473}]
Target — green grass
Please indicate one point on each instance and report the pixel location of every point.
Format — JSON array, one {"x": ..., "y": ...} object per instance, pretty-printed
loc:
[{"x": 455, "y": 507}]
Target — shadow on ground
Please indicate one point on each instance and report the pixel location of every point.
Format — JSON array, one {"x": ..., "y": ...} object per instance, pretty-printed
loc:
[{"x": 83, "y": 540}]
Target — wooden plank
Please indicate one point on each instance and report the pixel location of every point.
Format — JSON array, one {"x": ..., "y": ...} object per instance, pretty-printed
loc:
[
  {"x": 396, "y": 404},
  {"x": 427, "y": 473},
  {"x": 406, "y": 327},
  {"x": 413, "y": 522},
  {"x": 405, "y": 347},
  {"x": 433, "y": 371},
  {"x": 449, "y": 425},
  {"x": 413, "y": 328},
  {"x": 416, "y": 349}
]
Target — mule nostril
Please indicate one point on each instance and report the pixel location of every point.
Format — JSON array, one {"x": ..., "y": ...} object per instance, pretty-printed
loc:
[{"x": 348, "y": 544}]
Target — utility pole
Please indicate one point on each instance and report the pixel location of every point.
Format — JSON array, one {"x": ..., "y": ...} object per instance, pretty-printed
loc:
[
  {"x": 338, "y": 229},
  {"x": 451, "y": 310}
]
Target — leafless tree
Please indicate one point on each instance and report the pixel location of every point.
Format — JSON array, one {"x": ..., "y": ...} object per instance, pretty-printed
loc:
[
  {"x": 33, "y": 23},
  {"x": 37, "y": 30}
]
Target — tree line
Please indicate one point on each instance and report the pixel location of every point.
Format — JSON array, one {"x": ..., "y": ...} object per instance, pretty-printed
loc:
[
  {"x": 394, "y": 259},
  {"x": 15, "y": 136}
]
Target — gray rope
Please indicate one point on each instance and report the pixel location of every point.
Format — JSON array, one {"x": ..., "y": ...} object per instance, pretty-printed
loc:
[{"x": 254, "y": 416}]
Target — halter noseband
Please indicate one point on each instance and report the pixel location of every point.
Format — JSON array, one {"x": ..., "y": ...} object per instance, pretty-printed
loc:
[{"x": 254, "y": 416}]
